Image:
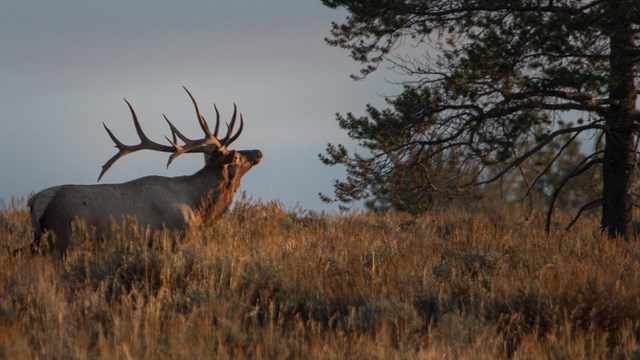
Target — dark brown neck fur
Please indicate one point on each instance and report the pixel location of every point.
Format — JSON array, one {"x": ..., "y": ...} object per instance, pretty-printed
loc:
[{"x": 222, "y": 182}]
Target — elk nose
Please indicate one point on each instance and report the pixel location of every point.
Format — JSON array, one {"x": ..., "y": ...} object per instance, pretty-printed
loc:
[{"x": 257, "y": 157}]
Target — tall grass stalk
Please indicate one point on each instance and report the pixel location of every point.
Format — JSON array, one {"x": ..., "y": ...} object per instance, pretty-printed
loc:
[{"x": 264, "y": 282}]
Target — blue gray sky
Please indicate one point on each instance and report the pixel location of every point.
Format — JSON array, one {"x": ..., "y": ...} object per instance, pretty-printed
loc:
[{"x": 66, "y": 65}]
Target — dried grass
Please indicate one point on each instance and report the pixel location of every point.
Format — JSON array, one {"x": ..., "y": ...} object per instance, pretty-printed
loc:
[{"x": 264, "y": 282}]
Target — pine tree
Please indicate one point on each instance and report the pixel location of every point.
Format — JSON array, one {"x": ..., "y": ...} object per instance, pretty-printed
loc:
[{"x": 492, "y": 77}]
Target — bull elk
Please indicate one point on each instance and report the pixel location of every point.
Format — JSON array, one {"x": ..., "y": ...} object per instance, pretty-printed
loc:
[{"x": 157, "y": 202}]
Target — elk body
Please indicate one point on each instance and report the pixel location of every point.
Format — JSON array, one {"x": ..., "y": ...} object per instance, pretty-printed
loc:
[{"x": 157, "y": 202}]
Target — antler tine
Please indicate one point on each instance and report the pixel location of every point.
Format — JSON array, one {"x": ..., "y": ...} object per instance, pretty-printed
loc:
[
  {"x": 179, "y": 150},
  {"x": 118, "y": 143},
  {"x": 108, "y": 164},
  {"x": 215, "y": 133},
  {"x": 175, "y": 132},
  {"x": 230, "y": 126},
  {"x": 143, "y": 137},
  {"x": 198, "y": 146},
  {"x": 210, "y": 139},
  {"x": 234, "y": 137},
  {"x": 230, "y": 136},
  {"x": 122, "y": 151},
  {"x": 145, "y": 143},
  {"x": 201, "y": 120}
]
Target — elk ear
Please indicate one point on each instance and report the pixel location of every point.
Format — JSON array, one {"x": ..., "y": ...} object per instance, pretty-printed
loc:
[{"x": 231, "y": 163}]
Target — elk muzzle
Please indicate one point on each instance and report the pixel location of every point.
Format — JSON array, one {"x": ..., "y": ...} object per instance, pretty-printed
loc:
[{"x": 253, "y": 156}]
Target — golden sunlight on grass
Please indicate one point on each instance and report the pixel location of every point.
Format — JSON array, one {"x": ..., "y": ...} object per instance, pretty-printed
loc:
[{"x": 264, "y": 282}]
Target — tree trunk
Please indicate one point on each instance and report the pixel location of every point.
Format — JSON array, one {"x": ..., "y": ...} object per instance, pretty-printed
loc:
[
  {"x": 618, "y": 178},
  {"x": 618, "y": 169}
]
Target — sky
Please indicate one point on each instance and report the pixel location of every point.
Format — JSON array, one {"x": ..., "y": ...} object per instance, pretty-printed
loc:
[{"x": 66, "y": 65}]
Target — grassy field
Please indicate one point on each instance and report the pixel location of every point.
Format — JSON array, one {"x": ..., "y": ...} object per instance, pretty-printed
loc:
[{"x": 265, "y": 282}]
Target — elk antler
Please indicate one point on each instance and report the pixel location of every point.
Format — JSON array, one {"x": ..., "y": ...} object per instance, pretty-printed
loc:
[{"x": 189, "y": 145}]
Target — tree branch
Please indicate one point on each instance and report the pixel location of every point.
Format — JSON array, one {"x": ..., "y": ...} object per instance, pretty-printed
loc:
[
  {"x": 583, "y": 166},
  {"x": 588, "y": 206},
  {"x": 540, "y": 145},
  {"x": 562, "y": 149},
  {"x": 506, "y": 6}
]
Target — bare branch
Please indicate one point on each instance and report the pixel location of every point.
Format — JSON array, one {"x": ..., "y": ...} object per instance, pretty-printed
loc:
[
  {"x": 540, "y": 145},
  {"x": 550, "y": 164},
  {"x": 583, "y": 166},
  {"x": 588, "y": 206}
]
